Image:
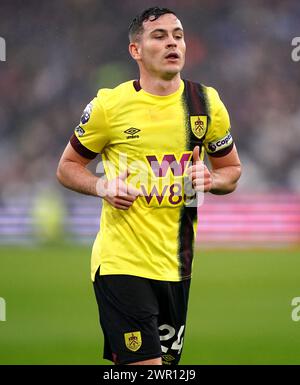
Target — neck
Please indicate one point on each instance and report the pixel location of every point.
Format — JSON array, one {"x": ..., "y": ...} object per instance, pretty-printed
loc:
[{"x": 160, "y": 87}]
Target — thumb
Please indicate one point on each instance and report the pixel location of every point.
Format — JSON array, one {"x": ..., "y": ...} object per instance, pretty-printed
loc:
[
  {"x": 123, "y": 175},
  {"x": 196, "y": 154}
]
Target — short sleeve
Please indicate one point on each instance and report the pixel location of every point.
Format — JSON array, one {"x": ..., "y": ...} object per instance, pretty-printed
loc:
[
  {"x": 218, "y": 140},
  {"x": 90, "y": 136}
]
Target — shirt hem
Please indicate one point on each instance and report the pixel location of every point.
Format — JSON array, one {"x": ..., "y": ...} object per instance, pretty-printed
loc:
[{"x": 143, "y": 275}]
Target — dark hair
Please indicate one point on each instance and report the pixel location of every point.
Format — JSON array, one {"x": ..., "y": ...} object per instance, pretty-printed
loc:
[{"x": 136, "y": 27}]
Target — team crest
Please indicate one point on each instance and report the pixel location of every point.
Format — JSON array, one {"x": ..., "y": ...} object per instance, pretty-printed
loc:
[
  {"x": 133, "y": 340},
  {"x": 199, "y": 125}
]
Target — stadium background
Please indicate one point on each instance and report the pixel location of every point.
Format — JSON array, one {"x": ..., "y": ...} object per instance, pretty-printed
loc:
[{"x": 247, "y": 268}]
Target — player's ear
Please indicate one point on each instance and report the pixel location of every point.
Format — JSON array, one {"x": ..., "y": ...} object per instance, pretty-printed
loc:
[{"x": 134, "y": 50}]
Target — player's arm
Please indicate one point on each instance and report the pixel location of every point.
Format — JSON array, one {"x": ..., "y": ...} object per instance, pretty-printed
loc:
[
  {"x": 225, "y": 172},
  {"x": 223, "y": 176},
  {"x": 73, "y": 174}
]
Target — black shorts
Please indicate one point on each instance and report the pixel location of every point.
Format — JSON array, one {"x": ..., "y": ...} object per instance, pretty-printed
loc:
[{"x": 141, "y": 318}]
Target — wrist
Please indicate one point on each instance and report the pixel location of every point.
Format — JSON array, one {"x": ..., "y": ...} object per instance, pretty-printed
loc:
[{"x": 101, "y": 187}]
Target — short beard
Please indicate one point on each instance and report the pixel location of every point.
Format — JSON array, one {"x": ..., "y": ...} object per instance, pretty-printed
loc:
[{"x": 170, "y": 75}]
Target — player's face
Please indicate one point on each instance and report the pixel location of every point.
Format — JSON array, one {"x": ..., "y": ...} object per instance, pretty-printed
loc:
[{"x": 162, "y": 47}]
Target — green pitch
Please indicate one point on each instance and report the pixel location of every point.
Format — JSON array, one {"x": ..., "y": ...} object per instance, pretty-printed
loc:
[{"x": 239, "y": 313}]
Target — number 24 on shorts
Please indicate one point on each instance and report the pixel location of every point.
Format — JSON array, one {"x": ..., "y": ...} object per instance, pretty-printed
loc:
[{"x": 177, "y": 345}]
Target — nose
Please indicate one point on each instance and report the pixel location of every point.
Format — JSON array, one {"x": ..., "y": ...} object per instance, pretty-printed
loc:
[{"x": 171, "y": 42}]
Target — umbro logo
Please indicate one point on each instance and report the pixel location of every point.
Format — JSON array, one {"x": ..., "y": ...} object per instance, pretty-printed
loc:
[{"x": 132, "y": 133}]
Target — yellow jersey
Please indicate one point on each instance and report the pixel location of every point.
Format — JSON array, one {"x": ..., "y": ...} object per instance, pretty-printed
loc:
[{"x": 153, "y": 136}]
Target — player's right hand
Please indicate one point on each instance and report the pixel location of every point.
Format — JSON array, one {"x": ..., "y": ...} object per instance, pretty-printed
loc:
[{"x": 117, "y": 192}]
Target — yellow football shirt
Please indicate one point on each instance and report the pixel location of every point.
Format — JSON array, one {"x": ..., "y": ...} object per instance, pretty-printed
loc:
[{"x": 154, "y": 137}]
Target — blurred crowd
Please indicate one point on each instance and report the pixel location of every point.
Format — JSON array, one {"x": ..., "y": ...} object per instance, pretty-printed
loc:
[{"x": 60, "y": 53}]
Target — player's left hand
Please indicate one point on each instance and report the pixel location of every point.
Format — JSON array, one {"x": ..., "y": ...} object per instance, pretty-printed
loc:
[{"x": 199, "y": 174}]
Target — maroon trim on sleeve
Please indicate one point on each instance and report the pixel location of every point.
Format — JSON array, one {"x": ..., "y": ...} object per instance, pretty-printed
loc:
[
  {"x": 83, "y": 151},
  {"x": 136, "y": 85},
  {"x": 221, "y": 153}
]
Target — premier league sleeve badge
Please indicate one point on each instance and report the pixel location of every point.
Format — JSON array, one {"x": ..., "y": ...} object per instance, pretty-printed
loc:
[{"x": 85, "y": 117}]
